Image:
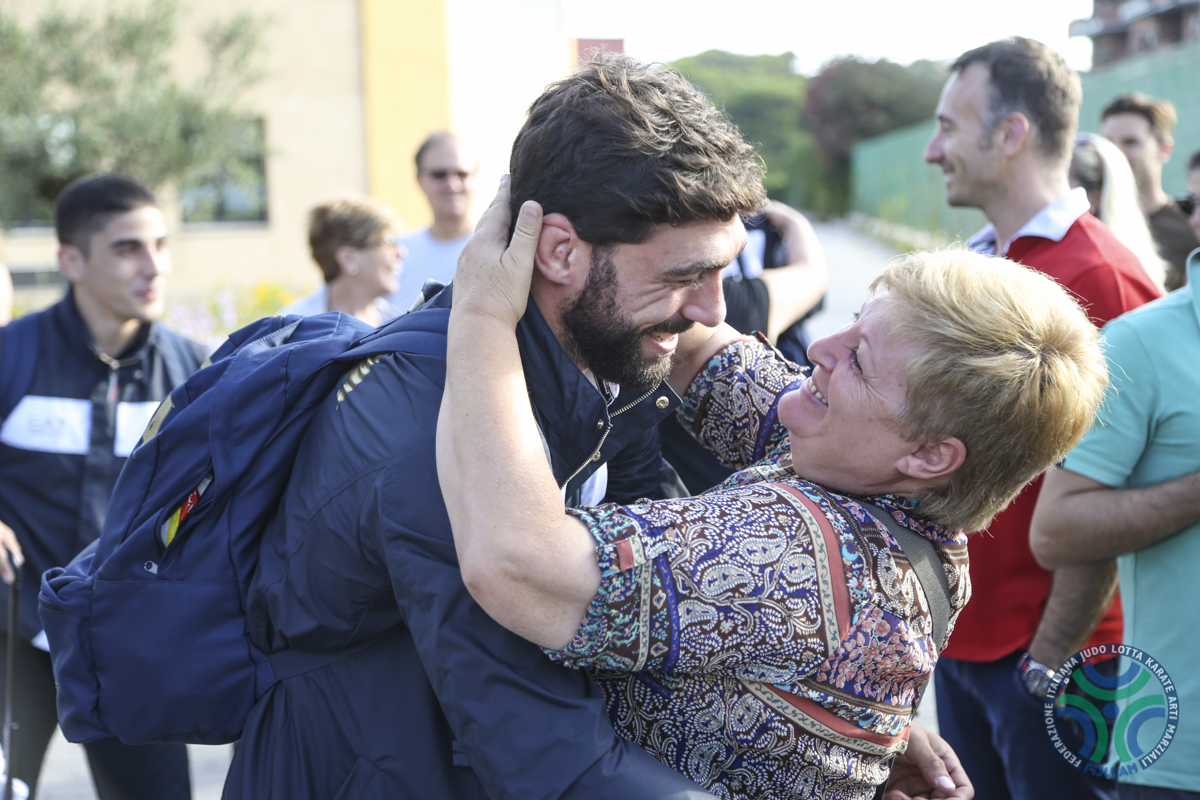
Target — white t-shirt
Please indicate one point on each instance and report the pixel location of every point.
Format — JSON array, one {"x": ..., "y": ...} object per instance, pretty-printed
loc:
[{"x": 427, "y": 258}]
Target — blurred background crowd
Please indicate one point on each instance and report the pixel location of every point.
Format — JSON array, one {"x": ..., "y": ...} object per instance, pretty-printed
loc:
[{"x": 245, "y": 116}]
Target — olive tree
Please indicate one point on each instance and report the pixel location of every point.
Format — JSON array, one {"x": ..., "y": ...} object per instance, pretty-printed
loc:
[{"x": 91, "y": 90}]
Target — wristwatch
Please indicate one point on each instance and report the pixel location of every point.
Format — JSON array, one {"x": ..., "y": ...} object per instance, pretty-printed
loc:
[{"x": 1034, "y": 676}]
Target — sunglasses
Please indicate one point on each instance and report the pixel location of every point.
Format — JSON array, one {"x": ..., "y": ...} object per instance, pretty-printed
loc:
[
  {"x": 1187, "y": 203},
  {"x": 442, "y": 174}
]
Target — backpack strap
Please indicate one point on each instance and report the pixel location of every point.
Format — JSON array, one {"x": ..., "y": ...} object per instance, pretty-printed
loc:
[
  {"x": 18, "y": 361},
  {"x": 925, "y": 563},
  {"x": 421, "y": 332},
  {"x": 932, "y": 577}
]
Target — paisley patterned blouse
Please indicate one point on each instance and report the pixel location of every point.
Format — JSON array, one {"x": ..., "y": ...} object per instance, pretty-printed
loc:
[{"x": 768, "y": 638}]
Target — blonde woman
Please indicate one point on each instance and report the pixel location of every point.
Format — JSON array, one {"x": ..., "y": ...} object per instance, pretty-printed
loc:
[{"x": 768, "y": 638}]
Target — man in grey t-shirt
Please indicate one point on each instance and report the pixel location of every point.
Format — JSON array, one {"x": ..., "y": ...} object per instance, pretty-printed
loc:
[{"x": 446, "y": 169}]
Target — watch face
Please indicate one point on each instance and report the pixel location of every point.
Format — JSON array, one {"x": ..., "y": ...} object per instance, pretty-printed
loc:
[{"x": 1037, "y": 681}]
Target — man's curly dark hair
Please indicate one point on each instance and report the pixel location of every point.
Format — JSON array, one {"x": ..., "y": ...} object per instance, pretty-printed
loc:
[{"x": 619, "y": 147}]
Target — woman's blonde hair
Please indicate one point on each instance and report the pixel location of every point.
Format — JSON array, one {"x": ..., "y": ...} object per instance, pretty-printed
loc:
[
  {"x": 1012, "y": 367},
  {"x": 1119, "y": 208}
]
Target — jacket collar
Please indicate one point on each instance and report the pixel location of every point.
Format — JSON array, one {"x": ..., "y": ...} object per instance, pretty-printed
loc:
[
  {"x": 570, "y": 409},
  {"x": 66, "y": 317},
  {"x": 1052, "y": 222}
]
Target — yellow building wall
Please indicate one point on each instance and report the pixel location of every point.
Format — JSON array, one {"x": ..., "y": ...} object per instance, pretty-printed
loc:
[
  {"x": 468, "y": 66},
  {"x": 312, "y": 106},
  {"x": 406, "y": 92}
]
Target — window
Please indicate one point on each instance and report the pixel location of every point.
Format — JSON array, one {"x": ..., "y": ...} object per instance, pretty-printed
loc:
[{"x": 235, "y": 192}]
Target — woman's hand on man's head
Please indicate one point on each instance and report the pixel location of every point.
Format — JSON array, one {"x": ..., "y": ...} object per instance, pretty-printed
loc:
[{"x": 494, "y": 274}]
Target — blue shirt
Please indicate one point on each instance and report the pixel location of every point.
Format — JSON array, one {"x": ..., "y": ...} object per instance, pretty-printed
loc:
[
  {"x": 1147, "y": 433},
  {"x": 428, "y": 259}
]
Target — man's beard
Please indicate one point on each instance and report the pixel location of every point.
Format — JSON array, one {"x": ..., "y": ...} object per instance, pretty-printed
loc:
[{"x": 601, "y": 337}]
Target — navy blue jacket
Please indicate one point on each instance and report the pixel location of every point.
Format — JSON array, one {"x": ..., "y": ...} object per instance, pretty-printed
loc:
[
  {"x": 434, "y": 699},
  {"x": 55, "y": 487}
]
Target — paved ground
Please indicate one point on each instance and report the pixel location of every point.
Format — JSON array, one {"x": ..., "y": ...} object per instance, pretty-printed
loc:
[
  {"x": 854, "y": 260},
  {"x": 65, "y": 774}
]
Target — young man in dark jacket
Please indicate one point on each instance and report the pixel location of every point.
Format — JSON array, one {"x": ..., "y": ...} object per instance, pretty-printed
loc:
[
  {"x": 101, "y": 365},
  {"x": 643, "y": 183}
]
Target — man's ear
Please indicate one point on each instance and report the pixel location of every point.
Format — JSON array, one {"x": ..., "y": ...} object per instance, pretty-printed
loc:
[
  {"x": 1165, "y": 149},
  {"x": 71, "y": 262},
  {"x": 934, "y": 461},
  {"x": 557, "y": 249},
  {"x": 1012, "y": 132}
]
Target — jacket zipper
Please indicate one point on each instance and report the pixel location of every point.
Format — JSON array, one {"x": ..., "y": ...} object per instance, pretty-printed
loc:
[{"x": 603, "y": 438}]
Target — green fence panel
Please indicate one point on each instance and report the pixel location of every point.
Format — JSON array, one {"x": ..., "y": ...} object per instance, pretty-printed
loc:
[
  {"x": 1173, "y": 74},
  {"x": 891, "y": 181}
]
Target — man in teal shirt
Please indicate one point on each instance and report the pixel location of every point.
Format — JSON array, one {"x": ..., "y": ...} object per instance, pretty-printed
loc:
[{"x": 1131, "y": 491}]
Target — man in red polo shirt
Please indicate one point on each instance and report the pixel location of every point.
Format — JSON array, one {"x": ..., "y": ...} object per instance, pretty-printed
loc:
[{"x": 1006, "y": 125}]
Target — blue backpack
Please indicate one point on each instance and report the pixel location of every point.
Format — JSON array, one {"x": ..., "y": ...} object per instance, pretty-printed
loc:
[{"x": 147, "y": 624}]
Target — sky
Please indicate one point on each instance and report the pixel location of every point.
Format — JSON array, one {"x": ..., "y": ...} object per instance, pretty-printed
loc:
[{"x": 816, "y": 31}]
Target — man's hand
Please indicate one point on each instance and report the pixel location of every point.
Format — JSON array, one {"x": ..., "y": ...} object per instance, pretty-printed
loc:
[
  {"x": 493, "y": 277},
  {"x": 797, "y": 232},
  {"x": 929, "y": 769},
  {"x": 8, "y": 544},
  {"x": 1080, "y": 595}
]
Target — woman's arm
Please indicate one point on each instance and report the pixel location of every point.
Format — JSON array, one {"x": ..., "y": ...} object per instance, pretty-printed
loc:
[
  {"x": 794, "y": 289},
  {"x": 730, "y": 404},
  {"x": 530, "y": 566},
  {"x": 696, "y": 347}
]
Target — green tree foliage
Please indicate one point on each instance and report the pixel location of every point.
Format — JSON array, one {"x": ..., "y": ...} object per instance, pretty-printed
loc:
[
  {"x": 803, "y": 127},
  {"x": 850, "y": 100},
  {"x": 92, "y": 90},
  {"x": 763, "y": 95}
]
